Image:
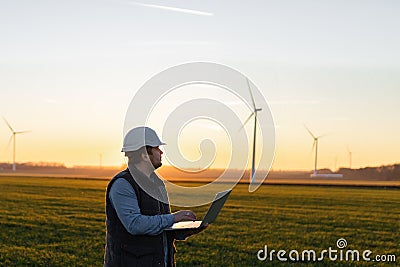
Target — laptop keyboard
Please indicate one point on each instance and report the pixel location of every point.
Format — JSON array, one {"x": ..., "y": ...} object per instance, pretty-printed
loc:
[{"x": 189, "y": 224}]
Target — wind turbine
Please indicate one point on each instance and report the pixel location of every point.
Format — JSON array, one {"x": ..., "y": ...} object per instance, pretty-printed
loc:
[
  {"x": 335, "y": 164},
  {"x": 14, "y": 137},
  {"x": 254, "y": 113},
  {"x": 315, "y": 145},
  {"x": 350, "y": 156}
]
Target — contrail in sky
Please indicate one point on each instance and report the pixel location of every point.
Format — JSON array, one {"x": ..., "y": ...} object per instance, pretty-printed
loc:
[{"x": 183, "y": 10}]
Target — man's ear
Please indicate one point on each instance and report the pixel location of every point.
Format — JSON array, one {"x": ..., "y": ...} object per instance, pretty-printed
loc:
[{"x": 145, "y": 156}]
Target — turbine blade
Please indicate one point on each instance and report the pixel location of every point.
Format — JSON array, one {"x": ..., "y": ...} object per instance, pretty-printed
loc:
[
  {"x": 310, "y": 132},
  {"x": 246, "y": 121},
  {"x": 312, "y": 148},
  {"x": 251, "y": 94},
  {"x": 9, "y": 142},
  {"x": 20, "y": 132},
  {"x": 9, "y": 126}
]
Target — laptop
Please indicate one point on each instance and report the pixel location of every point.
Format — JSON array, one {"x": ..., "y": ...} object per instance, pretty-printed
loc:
[{"x": 211, "y": 214}]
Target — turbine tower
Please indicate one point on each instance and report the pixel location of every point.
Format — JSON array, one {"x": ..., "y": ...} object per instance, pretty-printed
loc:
[
  {"x": 254, "y": 113},
  {"x": 315, "y": 145},
  {"x": 14, "y": 137}
]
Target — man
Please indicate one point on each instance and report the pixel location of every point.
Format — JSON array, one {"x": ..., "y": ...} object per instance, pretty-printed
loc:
[{"x": 137, "y": 208}]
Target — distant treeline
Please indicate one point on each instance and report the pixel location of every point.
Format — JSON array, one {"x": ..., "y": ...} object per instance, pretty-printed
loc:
[
  {"x": 384, "y": 173},
  {"x": 381, "y": 173},
  {"x": 33, "y": 166}
]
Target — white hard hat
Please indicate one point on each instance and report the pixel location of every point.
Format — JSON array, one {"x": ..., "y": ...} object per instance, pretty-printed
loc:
[{"x": 139, "y": 137}]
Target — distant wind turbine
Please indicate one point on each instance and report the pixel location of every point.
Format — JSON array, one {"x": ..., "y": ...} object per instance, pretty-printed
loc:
[
  {"x": 335, "y": 164},
  {"x": 254, "y": 113},
  {"x": 315, "y": 145},
  {"x": 350, "y": 156},
  {"x": 14, "y": 137}
]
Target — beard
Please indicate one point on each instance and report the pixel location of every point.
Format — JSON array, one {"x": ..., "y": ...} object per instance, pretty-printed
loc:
[{"x": 156, "y": 163}]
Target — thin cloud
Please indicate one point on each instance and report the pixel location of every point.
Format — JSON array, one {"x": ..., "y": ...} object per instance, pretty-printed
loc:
[
  {"x": 176, "y": 9},
  {"x": 172, "y": 43}
]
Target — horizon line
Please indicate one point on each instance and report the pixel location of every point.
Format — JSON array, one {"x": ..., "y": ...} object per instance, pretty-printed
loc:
[{"x": 44, "y": 164}]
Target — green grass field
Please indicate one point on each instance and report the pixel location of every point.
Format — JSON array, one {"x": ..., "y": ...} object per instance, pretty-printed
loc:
[{"x": 60, "y": 222}]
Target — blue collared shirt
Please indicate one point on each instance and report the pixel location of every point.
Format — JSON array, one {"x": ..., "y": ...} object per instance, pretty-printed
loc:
[{"x": 124, "y": 201}]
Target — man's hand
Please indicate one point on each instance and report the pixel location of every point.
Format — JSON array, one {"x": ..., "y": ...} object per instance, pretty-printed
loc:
[
  {"x": 190, "y": 232},
  {"x": 182, "y": 234},
  {"x": 184, "y": 215}
]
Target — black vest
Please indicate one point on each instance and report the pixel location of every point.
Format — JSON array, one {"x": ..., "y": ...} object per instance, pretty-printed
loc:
[{"x": 125, "y": 249}]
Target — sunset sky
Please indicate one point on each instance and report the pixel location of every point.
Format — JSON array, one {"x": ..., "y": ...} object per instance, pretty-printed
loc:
[{"x": 69, "y": 70}]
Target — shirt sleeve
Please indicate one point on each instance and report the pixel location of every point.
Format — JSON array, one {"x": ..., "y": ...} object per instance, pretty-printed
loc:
[{"x": 123, "y": 199}]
